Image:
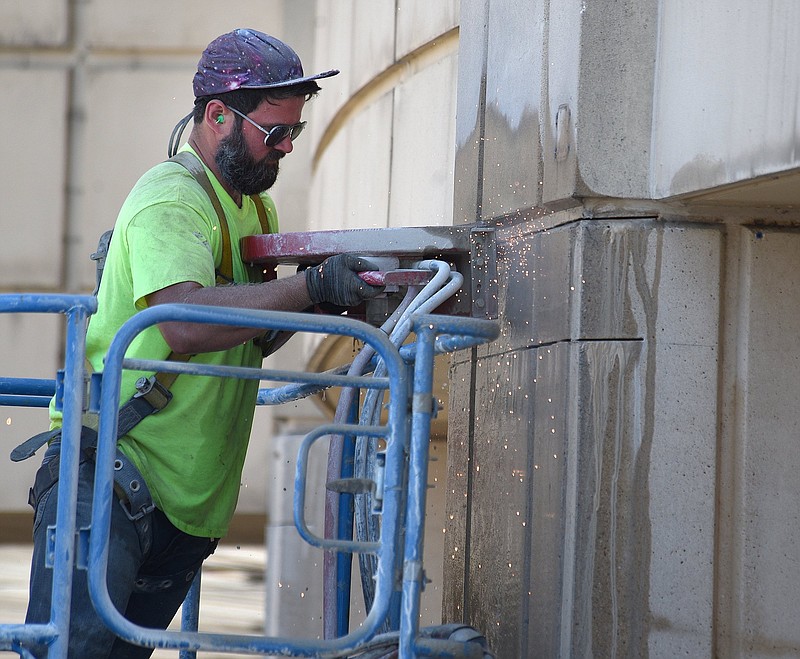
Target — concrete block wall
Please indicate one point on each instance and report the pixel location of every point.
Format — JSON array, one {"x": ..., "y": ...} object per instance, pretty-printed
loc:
[
  {"x": 623, "y": 464},
  {"x": 561, "y": 101},
  {"x": 597, "y": 442},
  {"x": 627, "y": 471}
]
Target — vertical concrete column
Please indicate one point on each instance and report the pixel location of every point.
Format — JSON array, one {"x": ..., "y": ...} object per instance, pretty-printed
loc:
[
  {"x": 756, "y": 567},
  {"x": 293, "y": 579}
]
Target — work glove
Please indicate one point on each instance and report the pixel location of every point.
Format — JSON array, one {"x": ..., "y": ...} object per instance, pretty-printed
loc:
[{"x": 336, "y": 281}]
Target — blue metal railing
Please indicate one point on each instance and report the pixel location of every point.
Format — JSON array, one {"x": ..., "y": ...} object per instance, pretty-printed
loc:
[
  {"x": 77, "y": 309},
  {"x": 403, "y": 483}
]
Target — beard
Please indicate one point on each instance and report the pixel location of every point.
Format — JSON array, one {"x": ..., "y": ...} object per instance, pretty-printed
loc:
[{"x": 240, "y": 170}]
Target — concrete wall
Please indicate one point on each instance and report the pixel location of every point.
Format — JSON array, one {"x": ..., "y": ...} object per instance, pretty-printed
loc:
[
  {"x": 385, "y": 156},
  {"x": 627, "y": 462}
]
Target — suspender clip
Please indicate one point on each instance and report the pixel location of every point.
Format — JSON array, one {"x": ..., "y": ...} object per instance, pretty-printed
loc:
[{"x": 153, "y": 392}]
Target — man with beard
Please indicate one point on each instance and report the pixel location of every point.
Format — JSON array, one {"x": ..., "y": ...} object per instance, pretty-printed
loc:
[{"x": 167, "y": 247}]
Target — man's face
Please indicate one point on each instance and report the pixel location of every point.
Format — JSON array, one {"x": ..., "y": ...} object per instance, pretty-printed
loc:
[{"x": 244, "y": 161}]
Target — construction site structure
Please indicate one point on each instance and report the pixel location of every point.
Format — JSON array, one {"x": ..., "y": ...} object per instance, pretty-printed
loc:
[{"x": 623, "y": 458}]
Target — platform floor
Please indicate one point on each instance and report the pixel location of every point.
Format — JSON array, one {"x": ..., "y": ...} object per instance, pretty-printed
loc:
[{"x": 232, "y": 598}]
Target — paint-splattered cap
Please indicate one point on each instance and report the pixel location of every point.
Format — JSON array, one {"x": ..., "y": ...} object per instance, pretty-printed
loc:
[{"x": 249, "y": 59}]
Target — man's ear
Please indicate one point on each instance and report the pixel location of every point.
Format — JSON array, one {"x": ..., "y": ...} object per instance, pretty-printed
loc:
[{"x": 217, "y": 116}]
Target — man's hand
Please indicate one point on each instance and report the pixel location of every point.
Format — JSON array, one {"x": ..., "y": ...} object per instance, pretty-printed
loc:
[{"x": 336, "y": 281}]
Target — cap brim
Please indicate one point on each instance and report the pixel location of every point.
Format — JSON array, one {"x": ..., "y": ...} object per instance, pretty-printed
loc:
[{"x": 294, "y": 81}]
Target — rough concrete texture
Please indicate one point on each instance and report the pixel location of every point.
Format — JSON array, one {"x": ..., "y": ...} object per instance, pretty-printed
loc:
[
  {"x": 511, "y": 176},
  {"x": 594, "y": 417},
  {"x": 488, "y": 530},
  {"x": 613, "y": 121},
  {"x": 727, "y": 94},
  {"x": 650, "y": 425},
  {"x": 654, "y": 344},
  {"x": 759, "y": 486}
]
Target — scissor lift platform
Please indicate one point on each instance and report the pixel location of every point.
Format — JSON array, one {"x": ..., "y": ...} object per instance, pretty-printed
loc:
[{"x": 399, "y": 486}]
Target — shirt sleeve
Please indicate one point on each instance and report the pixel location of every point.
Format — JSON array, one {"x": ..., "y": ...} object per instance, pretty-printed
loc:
[{"x": 169, "y": 243}]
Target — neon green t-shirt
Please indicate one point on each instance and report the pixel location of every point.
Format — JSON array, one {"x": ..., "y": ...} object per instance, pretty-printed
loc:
[{"x": 191, "y": 453}]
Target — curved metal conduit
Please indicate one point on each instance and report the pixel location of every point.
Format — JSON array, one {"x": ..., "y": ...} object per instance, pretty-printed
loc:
[{"x": 442, "y": 286}]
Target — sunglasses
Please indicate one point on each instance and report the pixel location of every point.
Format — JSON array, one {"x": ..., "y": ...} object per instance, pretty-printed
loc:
[{"x": 277, "y": 133}]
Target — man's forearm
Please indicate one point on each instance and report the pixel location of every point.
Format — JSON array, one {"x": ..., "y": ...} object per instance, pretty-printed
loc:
[{"x": 286, "y": 294}]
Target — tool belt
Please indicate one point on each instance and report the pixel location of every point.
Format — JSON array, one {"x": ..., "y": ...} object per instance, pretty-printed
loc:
[
  {"x": 152, "y": 395},
  {"x": 130, "y": 487}
]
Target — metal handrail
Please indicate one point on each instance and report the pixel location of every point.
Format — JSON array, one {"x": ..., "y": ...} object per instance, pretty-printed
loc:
[
  {"x": 109, "y": 406},
  {"x": 408, "y": 378},
  {"x": 77, "y": 309}
]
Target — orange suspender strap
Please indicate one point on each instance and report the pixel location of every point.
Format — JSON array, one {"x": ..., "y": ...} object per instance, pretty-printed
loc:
[
  {"x": 267, "y": 273},
  {"x": 196, "y": 169},
  {"x": 263, "y": 218}
]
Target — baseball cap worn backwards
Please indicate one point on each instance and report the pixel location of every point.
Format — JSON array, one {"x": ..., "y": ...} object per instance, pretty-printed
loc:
[{"x": 248, "y": 59}]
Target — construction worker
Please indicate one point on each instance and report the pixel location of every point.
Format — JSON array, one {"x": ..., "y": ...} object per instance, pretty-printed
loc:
[{"x": 167, "y": 247}]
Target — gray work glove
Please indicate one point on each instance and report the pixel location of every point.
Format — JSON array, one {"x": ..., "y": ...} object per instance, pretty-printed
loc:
[{"x": 336, "y": 281}]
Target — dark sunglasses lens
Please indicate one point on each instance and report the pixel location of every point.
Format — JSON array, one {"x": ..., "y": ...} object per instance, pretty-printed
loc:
[{"x": 279, "y": 133}]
